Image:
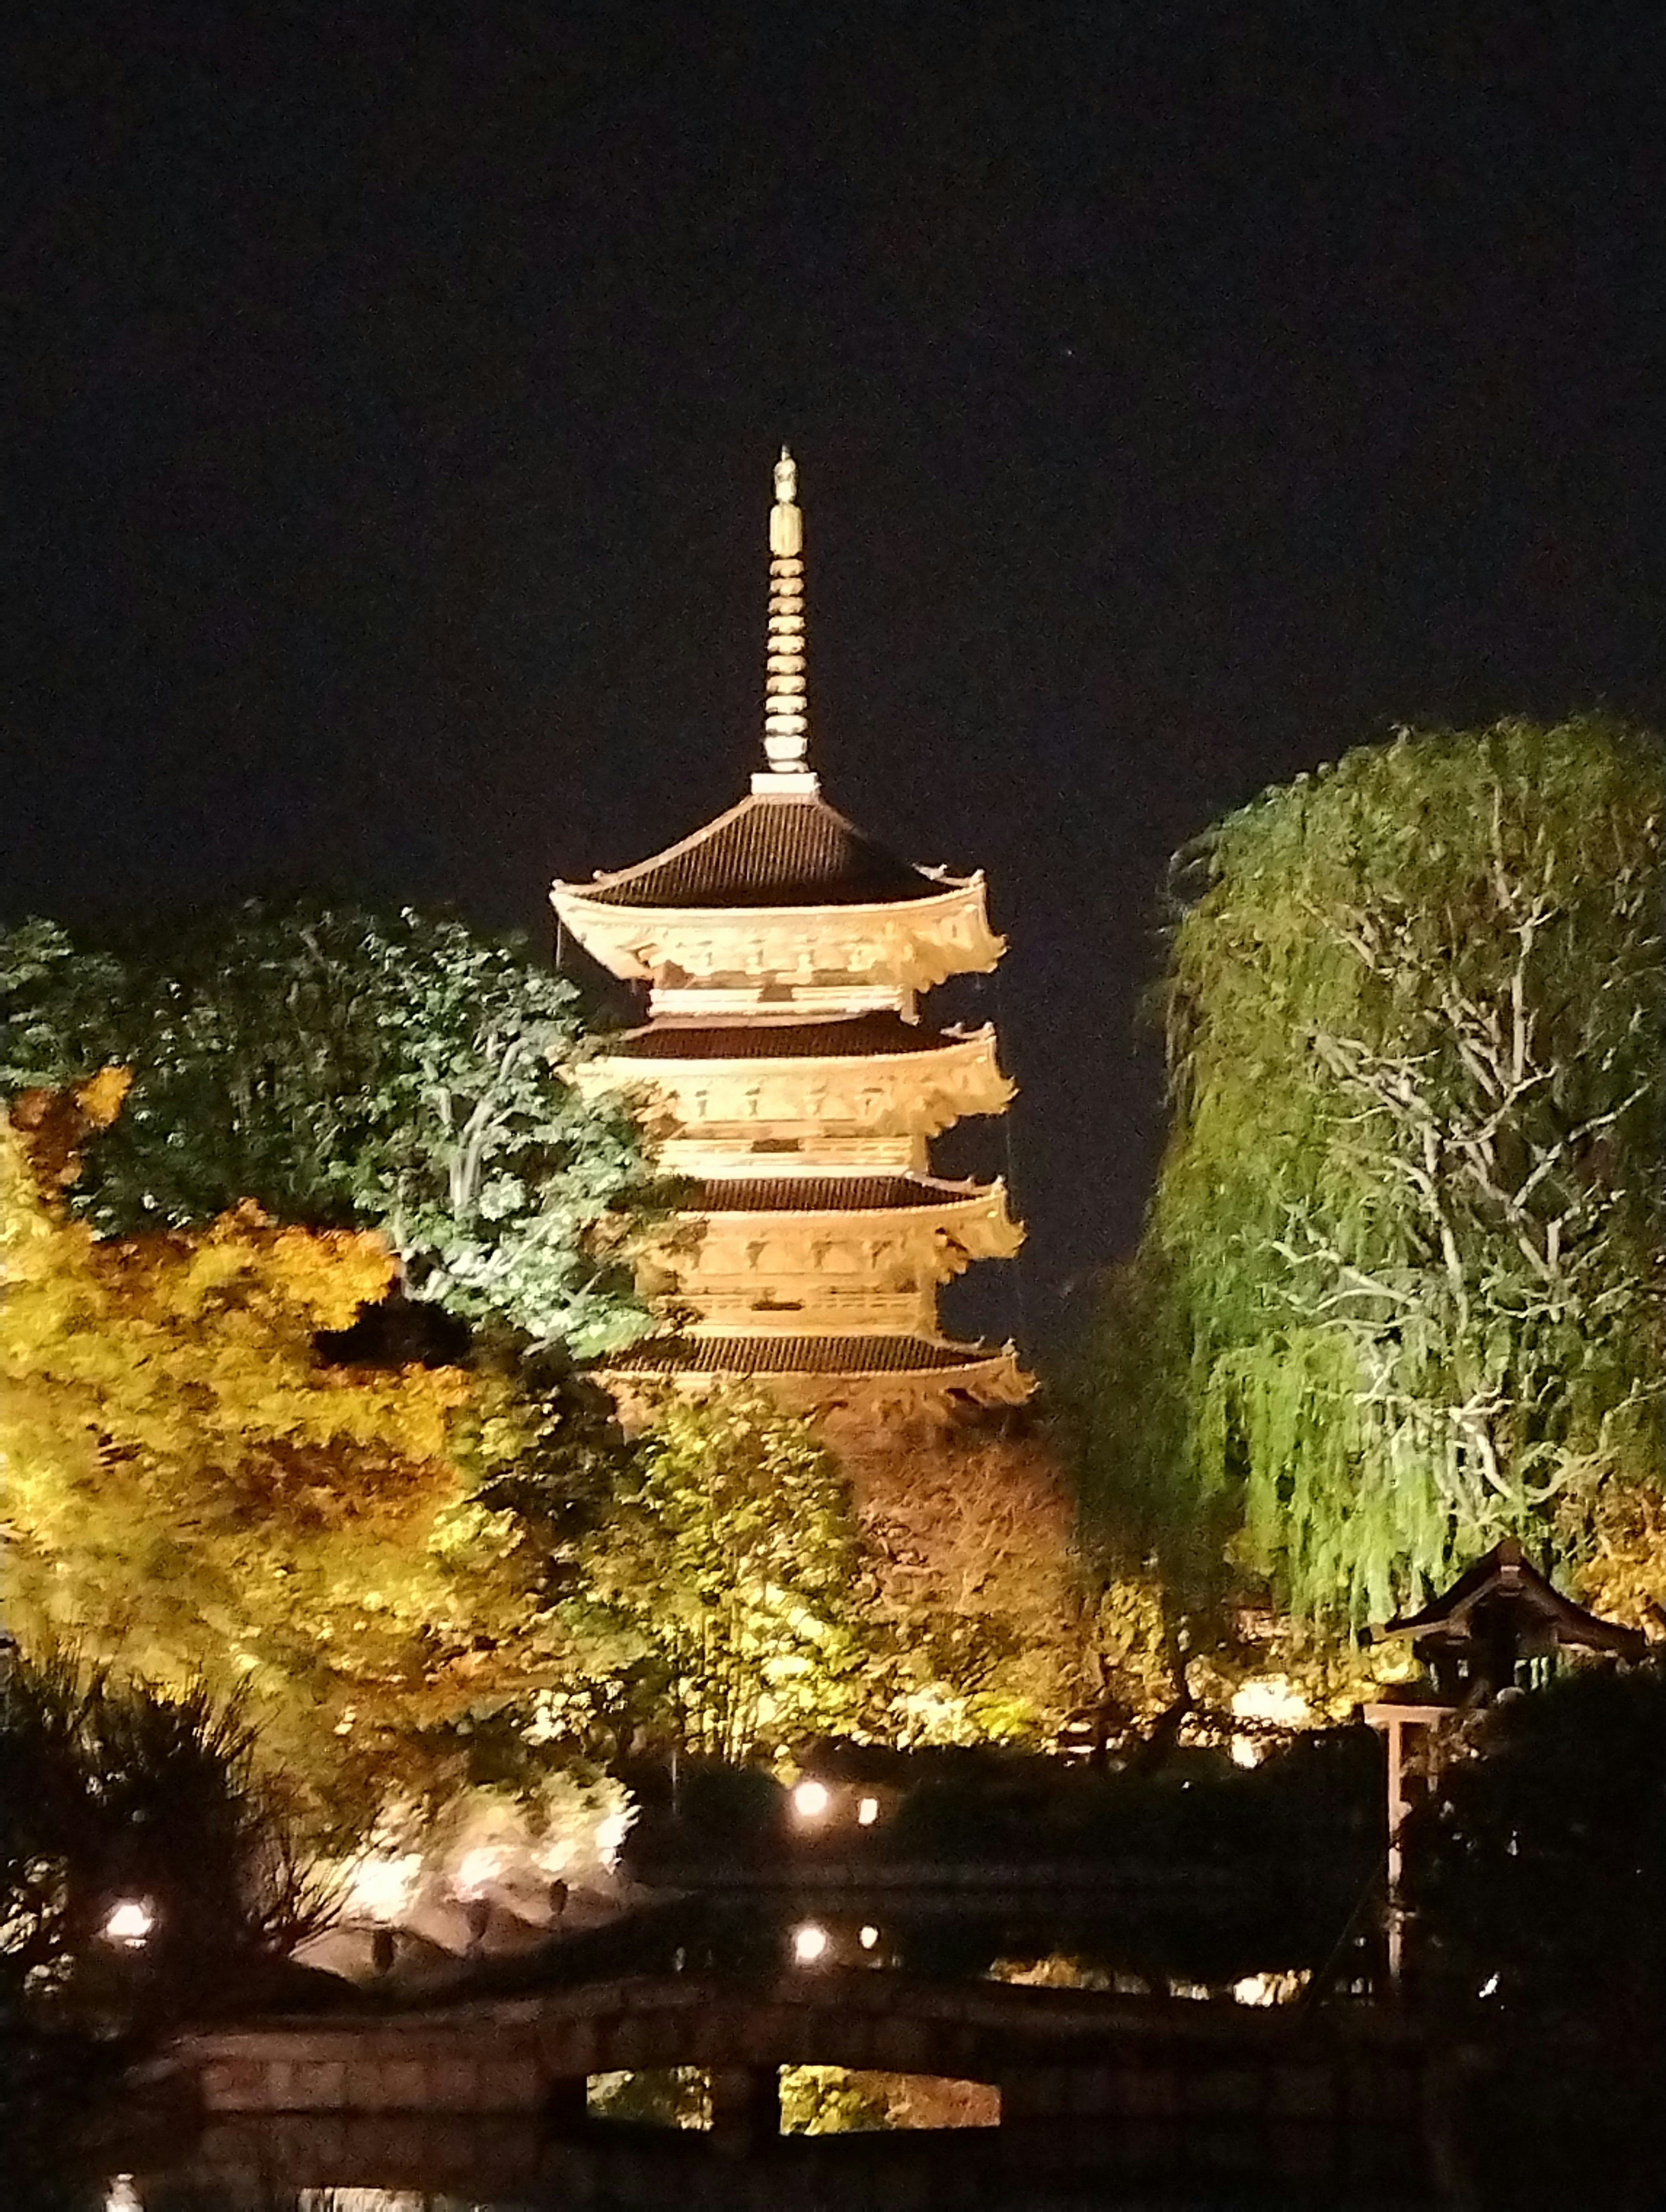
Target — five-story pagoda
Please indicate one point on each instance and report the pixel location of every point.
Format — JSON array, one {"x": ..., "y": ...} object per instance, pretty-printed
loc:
[{"x": 796, "y": 1085}]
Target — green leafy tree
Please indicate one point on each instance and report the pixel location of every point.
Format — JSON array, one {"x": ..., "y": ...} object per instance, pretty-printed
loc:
[
  {"x": 1407, "y": 1239},
  {"x": 735, "y": 1584},
  {"x": 341, "y": 1068},
  {"x": 57, "y": 1008}
]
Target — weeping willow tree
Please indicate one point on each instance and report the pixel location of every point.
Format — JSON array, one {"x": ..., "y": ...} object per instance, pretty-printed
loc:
[{"x": 1409, "y": 1228}]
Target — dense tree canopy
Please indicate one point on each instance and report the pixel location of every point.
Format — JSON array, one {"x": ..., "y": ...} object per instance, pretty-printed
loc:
[
  {"x": 374, "y": 1556},
  {"x": 342, "y": 1069},
  {"x": 1405, "y": 1249},
  {"x": 414, "y": 1575}
]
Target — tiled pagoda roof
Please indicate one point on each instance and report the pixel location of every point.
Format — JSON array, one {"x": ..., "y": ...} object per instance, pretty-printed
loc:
[
  {"x": 823, "y": 1193},
  {"x": 769, "y": 851},
  {"x": 853, "y": 1356},
  {"x": 849, "y": 1036}
]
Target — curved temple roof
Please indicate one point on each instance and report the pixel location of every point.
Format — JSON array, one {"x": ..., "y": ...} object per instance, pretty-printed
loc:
[{"x": 767, "y": 852}]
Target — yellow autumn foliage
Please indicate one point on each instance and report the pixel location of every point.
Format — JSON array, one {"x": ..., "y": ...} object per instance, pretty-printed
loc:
[{"x": 187, "y": 1486}]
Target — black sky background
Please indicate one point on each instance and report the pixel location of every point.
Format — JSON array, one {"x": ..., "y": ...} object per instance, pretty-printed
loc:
[{"x": 1182, "y": 394}]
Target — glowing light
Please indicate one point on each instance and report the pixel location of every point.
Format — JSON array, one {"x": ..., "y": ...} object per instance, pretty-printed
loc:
[
  {"x": 868, "y": 1938},
  {"x": 1489, "y": 1988},
  {"x": 809, "y": 1943},
  {"x": 867, "y": 1812},
  {"x": 1274, "y": 1989},
  {"x": 1273, "y": 1698},
  {"x": 122, "y": 2197},
  {"x": 1275, "y": 1702},
  {"x": 360, "y": 2200},
  {"x": 477, "y": 1870},
  {"x": 130, "y": 1922},
  {"x": 810, "y": 1800},
  {"x": 610, "y": 1833},
  {"x": 381, "y": 1887}
]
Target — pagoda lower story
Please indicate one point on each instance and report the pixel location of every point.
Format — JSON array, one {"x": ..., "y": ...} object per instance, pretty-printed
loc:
[{"x": 793, "y": 1087}]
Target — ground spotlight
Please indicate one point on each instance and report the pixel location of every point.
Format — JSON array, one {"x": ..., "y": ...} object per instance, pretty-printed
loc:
[
  {"x": 130, "y": 1922},
  {"x": 810, "y": 1800}
]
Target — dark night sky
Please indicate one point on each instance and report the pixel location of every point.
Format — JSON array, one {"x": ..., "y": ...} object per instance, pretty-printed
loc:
[{"x": 1182, "y": 394}]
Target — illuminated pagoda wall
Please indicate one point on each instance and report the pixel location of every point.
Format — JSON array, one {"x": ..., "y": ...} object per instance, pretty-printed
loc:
[{"x": 795, "y": 1083}]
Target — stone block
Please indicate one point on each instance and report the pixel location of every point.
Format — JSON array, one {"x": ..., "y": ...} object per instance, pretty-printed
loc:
[
  {"x": 319, "y": 2086},
  {"x": 406, "y": 2086},
  {"x": 455, "y": 2085},
  {"x": 517, "y": 2084}
]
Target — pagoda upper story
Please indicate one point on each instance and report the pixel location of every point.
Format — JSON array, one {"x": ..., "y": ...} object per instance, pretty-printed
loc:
[
  {"x": 779, "y": 904},
  {"x": 787, "y": 1071}
]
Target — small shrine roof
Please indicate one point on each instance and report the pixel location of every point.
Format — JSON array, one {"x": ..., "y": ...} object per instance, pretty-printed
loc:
[
  {"x": 802, "y": 1355},
  {"x": 849, "y": 1036},
  {"x": 771, "y": 852},
  {"x": 826, "y": 1194},
  {"x": 1503, "y": 1573}
]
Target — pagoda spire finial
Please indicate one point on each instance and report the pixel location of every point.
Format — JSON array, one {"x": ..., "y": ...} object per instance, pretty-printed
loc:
[{"x": 785, "y": 708}]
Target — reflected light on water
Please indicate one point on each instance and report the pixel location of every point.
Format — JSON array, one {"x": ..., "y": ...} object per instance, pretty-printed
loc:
[
  {"x": 367, "y": 2200},
  {"x": 1273, "y": 1989}
]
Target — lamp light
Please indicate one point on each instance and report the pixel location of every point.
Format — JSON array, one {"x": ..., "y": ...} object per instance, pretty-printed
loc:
[
  {"x": 130, "y": 1922},
  {"x": 810, "y": 1800},
  {"x": 809, "y": 1942}
]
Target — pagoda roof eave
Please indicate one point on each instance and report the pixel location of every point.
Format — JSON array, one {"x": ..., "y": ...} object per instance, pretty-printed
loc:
[
  {"x": 933, "y": 1363},
  {"x": 925, "y": 940},
  {"x": 938, "y": 1198},
  {"x": 794, "y": 834},
  {"x": 750, "y": 1041},
  {"x": 954, "y": 893}
]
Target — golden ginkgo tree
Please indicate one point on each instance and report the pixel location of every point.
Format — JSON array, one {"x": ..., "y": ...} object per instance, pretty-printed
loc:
[{"x": 190, "y": 1486}]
